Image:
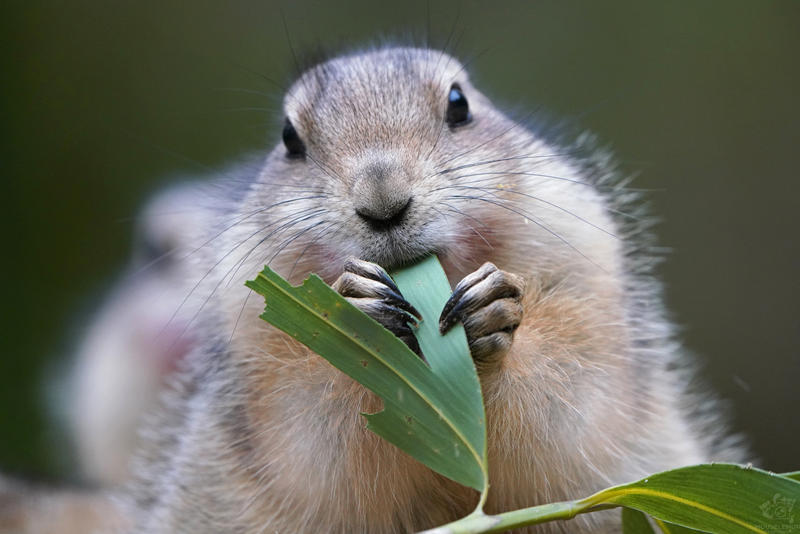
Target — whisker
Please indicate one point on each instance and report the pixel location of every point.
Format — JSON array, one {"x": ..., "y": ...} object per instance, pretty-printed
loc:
[
  {"x": 239, "y": 316},
  {"x": 200, "y": 281},
  {"x": 322, "y": 234},
  {"x": 502, "y": 189},
  {"x": 251, "y": 108},
  {"x": 281, "y": 87},
  {"x": 216, "y": 287},
  {"x": 436, "y": 142},
  {"x": 331, "y": 174},
  {"x": 289, "y": 241},
  {"x": 626, "y": 215},
  {"x": 289, "y": 42},
  {"x": 521, "y": 173},
  {"x": 515, "y": 124},
  {"x": 249, "y": 215},
  {"x": 243, "y": 218},
  {"x": 474, "y": 230},
  {"x": 276, "y": 231},
  {"x": 600, "y": 187},
  {"x": 245, "y": 91},
  {"x": 533, "y": 220},
  {"x": 467, "y": 62},
  {"x": 449, "y": 38},
  {"x": 250, "y": 292},
  {"x": 510, "y": 158}
]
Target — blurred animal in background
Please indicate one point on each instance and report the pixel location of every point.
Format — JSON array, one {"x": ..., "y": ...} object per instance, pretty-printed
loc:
[
  {"x": 139, "y": 335},
  {"x": 142, "y": 331},
  {"x": 132, "y": 345}
]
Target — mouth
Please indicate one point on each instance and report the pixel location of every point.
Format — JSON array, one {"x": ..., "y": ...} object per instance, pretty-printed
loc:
[
  {"x": 409, "y": 236},
  {"x": 400, "y": 254},
  {"x": 404, "y": 239}
]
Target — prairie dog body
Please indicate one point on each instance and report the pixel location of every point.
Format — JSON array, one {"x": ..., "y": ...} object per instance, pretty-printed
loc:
[{"x": 390, "y": 155}]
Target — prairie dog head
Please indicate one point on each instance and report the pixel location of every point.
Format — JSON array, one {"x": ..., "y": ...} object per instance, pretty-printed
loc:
[{"x": 392, "y": 154}]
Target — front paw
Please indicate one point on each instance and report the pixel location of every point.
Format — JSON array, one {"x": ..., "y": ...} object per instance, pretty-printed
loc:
[
  {"x": 488, "y": 303},
  {"x": 369, "y": 288}
]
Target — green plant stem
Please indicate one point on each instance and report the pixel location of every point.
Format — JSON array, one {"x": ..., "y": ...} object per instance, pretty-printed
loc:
[{"x": 480, "y": 523}]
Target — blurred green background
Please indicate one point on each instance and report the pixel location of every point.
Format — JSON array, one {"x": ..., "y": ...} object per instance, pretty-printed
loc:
[{"x": 102, "y": 102}]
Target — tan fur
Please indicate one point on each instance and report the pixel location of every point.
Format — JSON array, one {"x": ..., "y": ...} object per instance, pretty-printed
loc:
[{"x": 264, "y": 436}]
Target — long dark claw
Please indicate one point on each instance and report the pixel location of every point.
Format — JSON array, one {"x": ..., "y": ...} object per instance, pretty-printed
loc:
[
  {"x": 450, "y": 312},
  {"x": 414, "y": 315},
  {"x": 391, "y": 317},
  {"x": 373, "y": 271},
  {"x": 368, "y": 287},
  {"x": 354, "y": 284},
  {"x": 495, "y": 286},
  {"x": 488, "y": 303},
  {"x": 470, "y": 280}
]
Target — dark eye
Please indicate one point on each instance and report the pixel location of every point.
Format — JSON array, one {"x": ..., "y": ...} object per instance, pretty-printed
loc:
[
  {"x": 295, "y": 148},
  {"x": 457, "y": 107}
]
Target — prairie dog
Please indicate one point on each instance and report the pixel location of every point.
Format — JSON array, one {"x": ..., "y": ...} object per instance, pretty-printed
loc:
[
  {"x": 389, "y": 155},
  {"x": 138, "y": 337}
]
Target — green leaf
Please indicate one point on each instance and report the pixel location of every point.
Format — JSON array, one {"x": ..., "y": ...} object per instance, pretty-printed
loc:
[
  {"x": 794, "y": 475},
  {"x": 425, "y": 286},
  {"x": 429, "y": 412},
  {"x": 669, "y": 528},
  {"x": 722, "y": 498},
  {"x": 635, "y": 522}
]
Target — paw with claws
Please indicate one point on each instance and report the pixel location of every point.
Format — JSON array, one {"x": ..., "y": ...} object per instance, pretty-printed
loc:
[
  {"x": 488, "y": 303},
  {"x": 369, "y": 288}
]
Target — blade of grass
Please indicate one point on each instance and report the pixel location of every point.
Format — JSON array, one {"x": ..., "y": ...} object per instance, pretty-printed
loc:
[{"x": 425, "y": 286}]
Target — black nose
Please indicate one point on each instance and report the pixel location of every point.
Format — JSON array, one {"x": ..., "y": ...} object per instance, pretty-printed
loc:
[
  {"x": 383, "y": 215},
  {"x": 381, "y": 192},
  {"x": 387, "y": 211}
]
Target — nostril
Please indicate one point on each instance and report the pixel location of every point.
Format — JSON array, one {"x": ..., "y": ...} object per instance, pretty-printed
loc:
[{"x": 385, "y": 214}]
